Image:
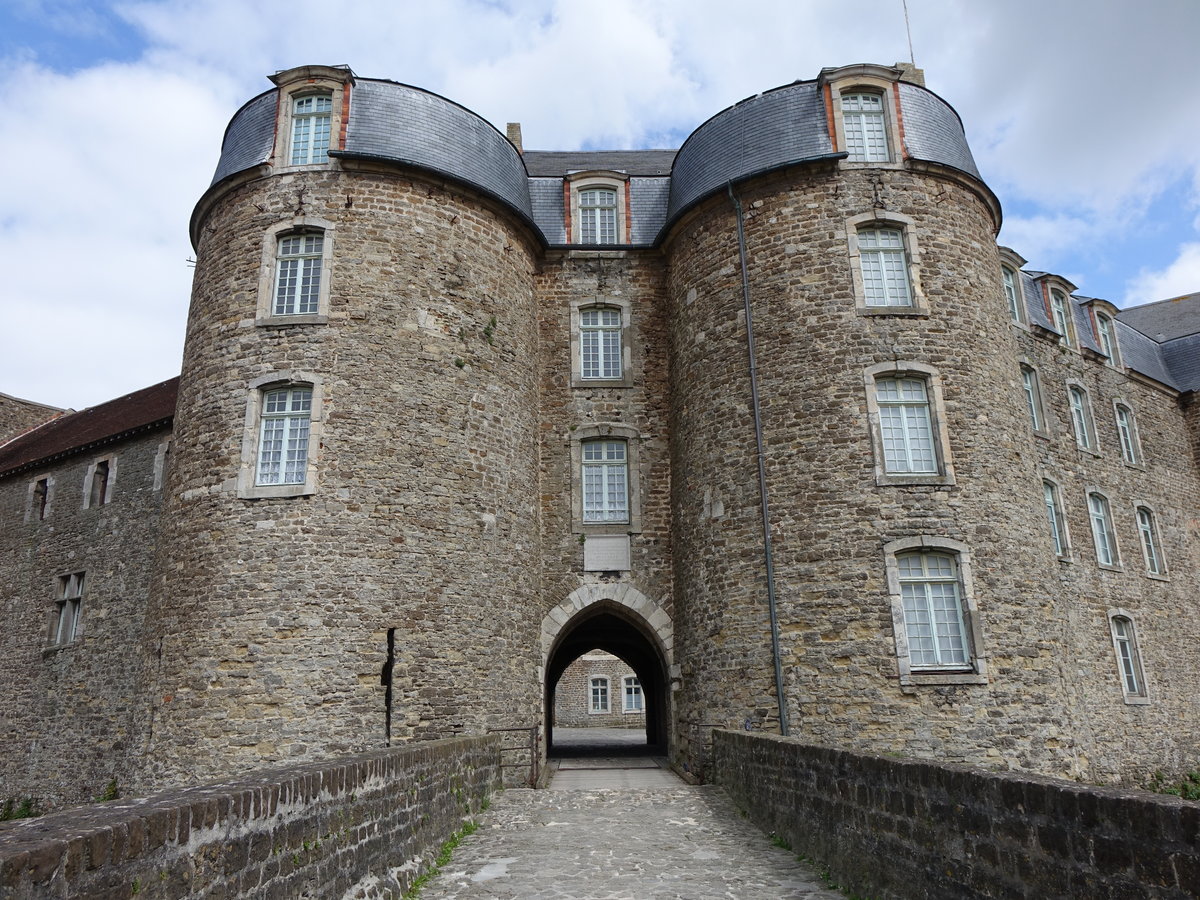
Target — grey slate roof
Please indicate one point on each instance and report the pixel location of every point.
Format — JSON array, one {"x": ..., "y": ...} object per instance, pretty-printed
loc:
[
  {"x": 1166, "y": 319},
  {"x": 780, "y": 127},
  {"x": 1163, "y": 340},
  {"x": 1144, "y": 355},
  {"x": 1182, "y": 358}
]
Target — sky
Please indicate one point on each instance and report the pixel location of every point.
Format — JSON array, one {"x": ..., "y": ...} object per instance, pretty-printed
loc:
[{"x": 1086, "y": 125}]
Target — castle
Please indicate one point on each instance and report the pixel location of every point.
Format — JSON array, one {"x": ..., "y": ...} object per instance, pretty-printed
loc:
[{"x": 453, "y": 413}]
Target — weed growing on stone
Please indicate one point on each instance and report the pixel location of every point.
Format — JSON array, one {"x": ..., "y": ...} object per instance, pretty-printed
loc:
[
  {"x": 109, "y": 792},
  {"x": 443, "y": 858},
  {"x": 26, "y": 809},
  {"x": 1188, "y": 787},
  {"x": 826, "y": 876},
  {"x": 779, "y": 841}
]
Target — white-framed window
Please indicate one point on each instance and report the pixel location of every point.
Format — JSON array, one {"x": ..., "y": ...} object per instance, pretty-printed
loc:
[
  {"x": 864, "y": 124},
  {"x": 905, "y": 425},
  {"x": 1012, "y": 294},
  {"x": 68, "y": 609},
  {"x": 600, "y": 343},
  {"x": 599, "y": 695},
  {"x": 1127, "y": 433},
  {"x": 1055, "y": 519},
  {"x": 1103, "y": 536},
  {"x": 1060, "y": 312},
  {"x": 605, "y": 466},
  {"x": 283, "y": 435},
  {"x": 1152, "y": 553},
  {"x": 1129, "y": 657},
  {"x": 1033, "y": 397},
  {"x": 298, "y": 274},
  {"x": 598, "y": 215},
  {"x": 1106, "y": 336},
  {"x": 938, "y": 635},
  {"x": 884, "y": 265},
  {"x": 1081, "y": 417},
  {"x": 312, "y": 116},
  {"x": 633, "y": 694}
]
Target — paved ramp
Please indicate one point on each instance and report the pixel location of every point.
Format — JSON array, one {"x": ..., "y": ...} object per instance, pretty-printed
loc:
[{"x": 620, "y": 829}]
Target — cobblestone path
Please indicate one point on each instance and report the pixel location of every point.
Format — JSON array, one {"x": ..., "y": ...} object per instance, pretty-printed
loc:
[{"x": 670, "y": 840}]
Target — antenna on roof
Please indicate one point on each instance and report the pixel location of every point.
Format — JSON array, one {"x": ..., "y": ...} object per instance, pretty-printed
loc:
[{"x": 908, "y": 30}]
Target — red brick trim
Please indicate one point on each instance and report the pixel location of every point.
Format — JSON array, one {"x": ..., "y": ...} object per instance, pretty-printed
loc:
[
  {"x": 628, "y": 214},
  {"x": 345, "y": 115},
  {"x": 567, "y": 209},
  {"x": 829, "y": 119},
  {"x": 899, "y": 119}
]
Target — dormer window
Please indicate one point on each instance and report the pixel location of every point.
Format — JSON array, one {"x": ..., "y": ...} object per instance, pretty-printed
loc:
[
  {"x": 865, "y": 127},
  {"x": 311, "y": 120},
  {"x": 1106, "y": 335},
  {"x": 1012, "y": 294},
  {"x": 1060, "y": 311},
  {"x": 597, "y": 216}
]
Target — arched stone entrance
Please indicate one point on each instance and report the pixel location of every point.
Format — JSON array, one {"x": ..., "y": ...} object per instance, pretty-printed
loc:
[{"x": 620, "y": 620}]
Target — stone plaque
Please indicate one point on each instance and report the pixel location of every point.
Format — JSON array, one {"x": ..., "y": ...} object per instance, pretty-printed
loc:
[{"x": 606, "y": 553}]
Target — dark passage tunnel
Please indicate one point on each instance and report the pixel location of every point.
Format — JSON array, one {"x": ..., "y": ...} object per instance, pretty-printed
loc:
[{"x": 609, "y": 627}]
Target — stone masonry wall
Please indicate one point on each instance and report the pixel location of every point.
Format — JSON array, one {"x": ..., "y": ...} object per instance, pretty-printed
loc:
[
  {"x": 573, "y": 696},
  {"x": 276, "y": 611},
  {"x": 830, "y": 517},
  {"x": 364, "y": 826},
  {"x": 893, "y": 828},
  {"x": 18, "y": 416},
  {"x": 70, "y": 716}
]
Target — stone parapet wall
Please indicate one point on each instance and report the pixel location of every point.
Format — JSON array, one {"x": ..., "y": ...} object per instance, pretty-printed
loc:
[
  {"x": 892, "y": 828},
  {"x": 363, "y": 826}
]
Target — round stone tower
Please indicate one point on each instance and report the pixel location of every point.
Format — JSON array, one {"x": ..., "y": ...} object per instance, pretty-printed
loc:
[
  {"x": 887, "y": 414},
  {"x": 354, "y": 476}
]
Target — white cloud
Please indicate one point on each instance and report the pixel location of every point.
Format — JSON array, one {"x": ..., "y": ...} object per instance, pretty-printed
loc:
[{"x": 1181, "y": 277}]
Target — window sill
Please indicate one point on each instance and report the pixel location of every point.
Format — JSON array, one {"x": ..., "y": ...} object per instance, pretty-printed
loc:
[
  {"x": 1087, "y": 450},
  {"x": 631, "y": 712},
  {"x": 1066, "y": 559},
  {"x": 1134, "y": 465},
  {"x": 263, "y": 491},
  {"x": 915, "y": 311},
  {"x": 55, "y": 649},
  {"x": 1134, "y": 700},
  {"x": 945, "y": 677},
  {"x": 586, "y": 528},
  {"x": 1156, "y": 576},
  {"x": 1110, "y": 567},
  {"x": 885, "y": 480},
  {"x": 285, "y": 321},
  {"x": 585, "y": 383}
]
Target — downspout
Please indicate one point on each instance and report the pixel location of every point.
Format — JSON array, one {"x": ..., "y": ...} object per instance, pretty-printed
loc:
[{"x": 762, "y": 468}]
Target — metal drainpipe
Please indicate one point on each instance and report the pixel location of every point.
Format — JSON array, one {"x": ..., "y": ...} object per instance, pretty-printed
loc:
[{"x": 762, "y": 468}]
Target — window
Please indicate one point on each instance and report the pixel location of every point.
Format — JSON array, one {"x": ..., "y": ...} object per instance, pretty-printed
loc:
[
  {"x": 1106, "y": 334},
  {"x": 599, "y": 695},
  {"x": 597, "y": 216},
  {"x": 1102, "y": 530},
  {"x": 1129, "y": 660},
  {"x": 865, "y": 127},
  {"x": 884, "y": 266},
  {"x": 933, "y": 615},
  {"x": 605, "y": 481},
  {"x": 40, "y": 507},
  {"x": 600, "y": 343},
  {"x": 1012, "y": 293},
  {"x": 298, "y": 274},
  {"x": 311, "y": 117},
  {"x": 1033, "y": 397},
  {"x": 1060, "y": 311},
  {"x": 98, "y": 482},
  {"x": 905, "y": 428},
  {"x": 1151, "y": 551},
  {"x": 68, "y": 608},
  {"x": 284, "y": 434},
  {"x": 1127, "y": 432},
  {"x": 1081, "y": 418},
  {"x": 633, "y": 694},
  {"x": 1056, "y": 521}
]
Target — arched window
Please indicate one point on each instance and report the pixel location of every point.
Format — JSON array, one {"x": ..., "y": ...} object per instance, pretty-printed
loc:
[
  {"x": 298, "y": 274},
  {"x": 1103, "y": 535},
  {"x": 933, "y": 614},
  {"x": 1151, "y": 550},
  {"x": 311, "y": 117},
  {"x": 1106, "y": 335},
  {"x": 597, "y": 216},
  {"x": 1012, "y": 294},
  {"x": 1033, "y": 397},
  {"x": 865, "y": 127},
  {"x": 884, "y": 265},
  {"x": 605, "y": 466},
  {"x": 1127, "y": 432},
  {"x": 1057, "y": 522},
  {"x": 1060, "y": 311},
  {"x": 1129, "y": 659},
  {"x": 283, "y": 435},
  {"x": 1081, "y": 418},
  {"x": 600, "y": 342}
]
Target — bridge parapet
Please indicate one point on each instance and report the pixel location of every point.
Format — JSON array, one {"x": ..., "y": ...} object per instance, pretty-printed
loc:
[
  {"x": 365, "y": 825},
  {"x": 888, "y": 827}
]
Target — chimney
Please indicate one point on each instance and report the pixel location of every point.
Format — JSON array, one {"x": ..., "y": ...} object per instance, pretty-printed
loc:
[
  {"x": 911, "y": 74},
  {"x": 513, "y": 130}
]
